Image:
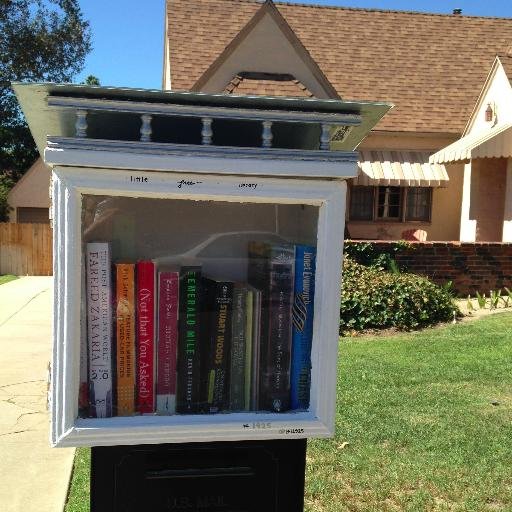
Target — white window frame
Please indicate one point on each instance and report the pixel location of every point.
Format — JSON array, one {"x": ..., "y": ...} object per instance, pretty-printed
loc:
[{"x": 69, "y": 184}]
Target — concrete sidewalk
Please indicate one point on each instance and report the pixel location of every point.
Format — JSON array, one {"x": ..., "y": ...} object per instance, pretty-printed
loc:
[{"x": 33, "y": 476}]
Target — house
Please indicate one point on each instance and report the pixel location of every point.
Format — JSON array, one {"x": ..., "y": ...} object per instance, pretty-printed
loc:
[
  {"x": 484, "y": 156},
  {"x": 29, "y": 199},
  {"x": 430, "y": 66}
]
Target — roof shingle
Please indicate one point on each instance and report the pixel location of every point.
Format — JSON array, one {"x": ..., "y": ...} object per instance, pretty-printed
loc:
[{"x": 431, "y": 66}]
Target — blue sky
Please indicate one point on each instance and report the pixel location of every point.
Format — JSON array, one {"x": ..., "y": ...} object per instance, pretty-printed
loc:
[{"x": 128, "y": 34}]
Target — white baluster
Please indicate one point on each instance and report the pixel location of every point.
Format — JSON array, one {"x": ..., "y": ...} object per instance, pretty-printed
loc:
[
  {"x": 81, "y": 123},
  {"x": 206, "y": 131},
  {"x": 325, "y": 138},
  {"x": 267, "y": 135},
  {"x": 145, "y": 128}
]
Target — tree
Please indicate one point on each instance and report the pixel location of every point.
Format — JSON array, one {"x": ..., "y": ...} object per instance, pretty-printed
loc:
[
  {"x": 91, "y": 80},
  {"x": 40, "y": 40}
]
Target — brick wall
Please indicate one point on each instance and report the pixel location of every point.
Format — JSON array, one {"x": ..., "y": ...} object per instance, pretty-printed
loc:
[{"x": 471, "y": 267}]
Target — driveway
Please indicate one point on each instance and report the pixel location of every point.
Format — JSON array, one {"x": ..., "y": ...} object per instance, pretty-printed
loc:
[{"x": 33, "y": 476}]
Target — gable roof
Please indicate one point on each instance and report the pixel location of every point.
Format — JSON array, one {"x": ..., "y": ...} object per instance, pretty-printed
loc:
[
  {"x": 506, "y": 62},
  {"x": 430, "y": 66},
  {"x": 256, "y": 45}
]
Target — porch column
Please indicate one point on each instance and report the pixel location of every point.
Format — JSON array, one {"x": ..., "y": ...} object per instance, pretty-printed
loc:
[
  {"x": 507, "y": 213},
  {"x": 467, "y": 225}
]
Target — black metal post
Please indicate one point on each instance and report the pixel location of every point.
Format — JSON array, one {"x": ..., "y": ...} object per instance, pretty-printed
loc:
[{"x": 245, "y": 476}]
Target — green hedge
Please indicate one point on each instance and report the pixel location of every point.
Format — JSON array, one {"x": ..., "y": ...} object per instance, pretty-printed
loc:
[{"x": 372, "y": 298}]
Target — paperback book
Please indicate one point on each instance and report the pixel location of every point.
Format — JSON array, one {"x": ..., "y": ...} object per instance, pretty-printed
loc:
[
  {"x": 99, "y": 328},
  {"x": 218, "y": 296},
  {"x": 125, "y": 334},
  {"x": 271, "y": 270},
  {"x": 188, "y": 399},
  {"x": 168, "y": 300},
  {"x": 303, "y": 309},
  {"x": 145, "y": 337}
]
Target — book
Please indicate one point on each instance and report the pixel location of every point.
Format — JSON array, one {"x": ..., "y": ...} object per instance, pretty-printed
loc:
[
  {"x": 83, "y": 391},
  {"x": 280, "y": 333},
  {"x": 145, "y": 337},
  {"x": 271, "y": 269},
  {"x": 168, "y": 296},
  {"x": 218, "y": 308},
  {"x": 99, "y": 328},
  {"x": 302, "y": 330},
  {"x": 125, "y": 337},
  {"x": 239, "y": 362},
  {"x": 254, "y": 367},
  {"x": 188, "y": 392}
]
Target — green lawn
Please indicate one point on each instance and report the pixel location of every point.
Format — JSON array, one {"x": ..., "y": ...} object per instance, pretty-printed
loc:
[
  {"x": 417, "y": 411},
  {"x": 6, "y": 278},
  {"x": 428, "y": 421}
]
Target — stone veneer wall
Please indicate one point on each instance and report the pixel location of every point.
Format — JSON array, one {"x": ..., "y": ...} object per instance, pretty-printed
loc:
[{"x": 480, "y": 266}]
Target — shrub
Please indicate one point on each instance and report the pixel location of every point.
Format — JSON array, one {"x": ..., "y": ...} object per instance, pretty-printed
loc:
[
  {"x": 373, "y": 255},
  {"x": 374, "y": 299}
]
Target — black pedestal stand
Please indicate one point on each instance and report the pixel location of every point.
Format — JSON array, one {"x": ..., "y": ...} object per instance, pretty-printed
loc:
[{"x": 245, "y": 476}]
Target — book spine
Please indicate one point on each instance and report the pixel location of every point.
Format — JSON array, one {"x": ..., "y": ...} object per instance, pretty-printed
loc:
[
  {"x": 258, "y": 276},
  {"x": 188, "y": 391},
  {"x": 218, "y": 360},
  {"x": 280, "y": 328},
  {"x": 99, "y": 328},
  {"x": 256, "y": 350},
  {"x": 302, "y": 331},
  {"x": 238, "y": 350},
  {"x": 249, "y": 307},
  {"x": 168, "y": 292},
  {"x": 145, "y": 337},
  {"x": 83, "y": 392},
  {"x": 125, "y": 331}
]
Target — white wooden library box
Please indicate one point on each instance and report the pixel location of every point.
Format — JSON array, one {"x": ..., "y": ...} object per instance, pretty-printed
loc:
[{"x": 197, "y": 261}]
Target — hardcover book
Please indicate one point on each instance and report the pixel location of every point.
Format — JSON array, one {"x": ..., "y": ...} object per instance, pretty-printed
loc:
[
  {"x": 188, "y": 392},
  {"x": 145, "y": 337},
  {"x": 168, "y": 292},
  {"x": 218, "y": 307},
  {"x": 239, "y": 362},
  {"x": 280, "y": 334},
  {"x": 125, "y": 334},
  {"x": 255, "y": 341},
  {"x": 99, "y": 328},
  {"x": 271, "y": 269},
  {"x": 303, "y": 308}
]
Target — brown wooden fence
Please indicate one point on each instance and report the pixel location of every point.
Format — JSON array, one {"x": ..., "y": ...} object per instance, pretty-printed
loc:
[{"x": 25, "y": 249}]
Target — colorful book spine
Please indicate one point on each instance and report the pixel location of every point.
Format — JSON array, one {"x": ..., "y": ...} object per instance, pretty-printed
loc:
[
  {"x": 99, "y": 328},
  {"x": 238, "y": 365},
  {"x": 217, "y": 360},
  {"x": 303, "y": 309},
  {"x": 168, "y": 293},
  {"x": 188, "y": 393},
  {"x": 145, "y": 337},
  {"x": 125, "y": 334}
]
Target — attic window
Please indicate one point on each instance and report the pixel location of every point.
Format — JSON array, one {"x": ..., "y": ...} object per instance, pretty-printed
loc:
[{"x": 267, "y": 84}]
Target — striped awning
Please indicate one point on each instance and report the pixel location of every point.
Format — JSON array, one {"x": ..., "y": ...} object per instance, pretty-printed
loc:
[
  {"x": 399, "y": 168},
  {"x": 495, "y": 143}
]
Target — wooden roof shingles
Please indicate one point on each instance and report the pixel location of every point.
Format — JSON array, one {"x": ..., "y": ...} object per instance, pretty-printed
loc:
[{"x": 431, "y": 66}]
